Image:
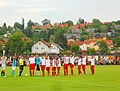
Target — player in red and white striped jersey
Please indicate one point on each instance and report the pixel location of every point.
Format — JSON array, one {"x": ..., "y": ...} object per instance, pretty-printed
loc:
[
  {"x": 84, "y": 64},
  {"x": 92, "y": 66},
  {"x": 72, "y": 59},
  {"x": 79, "y": 65},
  {"x": 53, "y": 66},
  {"x": 32, "y": 64},
  {"x": 58, "y": 66},
  {"x": 66, "y": 61},
  {"x": 47, "y": 60},
  {"x": 43, "y": 63}
]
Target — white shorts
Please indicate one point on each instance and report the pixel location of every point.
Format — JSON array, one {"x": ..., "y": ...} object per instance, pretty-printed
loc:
[
  {"x": 13, "y": 68},
  {"x": 3, "y": 66}
]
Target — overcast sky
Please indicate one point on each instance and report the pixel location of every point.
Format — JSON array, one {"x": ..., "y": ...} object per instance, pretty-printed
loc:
[{"x": 58, "y": 10}]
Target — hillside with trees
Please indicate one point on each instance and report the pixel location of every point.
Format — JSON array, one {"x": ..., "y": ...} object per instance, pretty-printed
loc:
[{"x": 19, "y": 38}]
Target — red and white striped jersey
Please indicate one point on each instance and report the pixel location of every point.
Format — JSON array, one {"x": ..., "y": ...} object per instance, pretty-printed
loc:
[
  {"x": 53, "y": 63},
  {"x": 72, "y": 59},
  {"x": 79, "y": 61},
  {"x": 66, "y": 60},
  {"x": 59, "y": 62},
  {"x": 92, "y": 61},
  {"x": 47, "y": 62},
  {"x": 43, "y": 61},
  {"x": 84, "y": 61}
]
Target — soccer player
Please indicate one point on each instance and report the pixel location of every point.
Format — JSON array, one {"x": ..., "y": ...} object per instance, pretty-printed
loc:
[
  {"x": 3, "y": 64},
  {"x": 32, "y": 65},
  {"x": 92, "y": 66},
  {"x": 72, "y": 59},
  {"x": 43, "y": 63},
  {"x": 79, "y": 65},
  {"x": 53, "y": 66},
  {"x": 37, "y": 61},
  {"x": 58, "y": 66},
  {"x": 14, "y": 63},
  {"x": 47, "y": 60},
  {"x": 84, "y": 64},
  {"x": 21, "y": 63},
  {"x": 66, "y": 61}
]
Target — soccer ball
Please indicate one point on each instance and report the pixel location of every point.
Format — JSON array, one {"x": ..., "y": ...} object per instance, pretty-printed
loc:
[{"x": 26, "y": 75}]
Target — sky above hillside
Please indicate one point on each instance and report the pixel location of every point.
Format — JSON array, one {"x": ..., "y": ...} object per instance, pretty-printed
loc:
[{"x": 58, "y": 10}]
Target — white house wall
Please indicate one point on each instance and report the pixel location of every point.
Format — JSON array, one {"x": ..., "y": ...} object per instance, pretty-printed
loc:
[
  {"x": 55, "y": 49},
  {"x": 83, "y": 47},
  {"x": 40, "y": 47}
]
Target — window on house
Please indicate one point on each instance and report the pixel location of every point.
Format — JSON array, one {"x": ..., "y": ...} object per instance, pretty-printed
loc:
[
  {"x": 36, "y": 48},
  {"x": 42, "y": 48}
]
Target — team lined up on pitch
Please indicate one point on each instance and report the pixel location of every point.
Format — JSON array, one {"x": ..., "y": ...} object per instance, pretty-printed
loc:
[{"x": 36, "y": 62}]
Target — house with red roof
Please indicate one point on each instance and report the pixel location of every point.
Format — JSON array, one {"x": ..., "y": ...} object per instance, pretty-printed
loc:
[{"x": 43, "y": 47}]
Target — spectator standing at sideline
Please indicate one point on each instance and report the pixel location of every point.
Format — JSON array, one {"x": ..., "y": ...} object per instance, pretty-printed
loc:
[{"x": 3, "y": 65}]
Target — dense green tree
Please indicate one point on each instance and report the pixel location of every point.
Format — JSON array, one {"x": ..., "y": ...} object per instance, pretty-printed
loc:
[
  {"x": 29, "y": 32},
  {"x": 103, "y": 47},
  {"x": 52, "y": 38},
  {"x": 116, "y": 42},
  {"x": 103, "y": 28},
  {"x": 84, "y": 35},
  {"x": 3, "y": 29},
  {"x": 60, "y": 38},
  {"x": 75, "y": 49},
  {"x": 101, "y": 43},
  {"x": 23, "y": 24},
  {"x": 91, "y": 51},
  {"x": 43, "y": 34},
  {"x": 118, "y": 22},
  {"x": 17, "y": 43},
  {"x": 10, "y": 29},
  {"x": 69, "y": 22},
  {"x": 30, "y": 24},
  {"x": 103, "y": 50},
  {"x": 46, "y": 21},
  {"x": 18, "y": 26},
  {"x": 80, "y": 21},
  {"x": 95, "y": 21}
]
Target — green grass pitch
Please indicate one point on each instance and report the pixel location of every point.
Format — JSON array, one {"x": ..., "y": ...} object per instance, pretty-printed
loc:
[{"x": 106, "y": 78}]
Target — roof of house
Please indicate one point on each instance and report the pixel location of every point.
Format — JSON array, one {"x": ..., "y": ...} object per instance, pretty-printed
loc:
[
  {"x": 89, "y": 41},
  {"x": 109, "y": 41},
  {"x": 46, "y": 43},
  {"x": 49, "y": 44},
  {"x": 71, "y": 43},
  {"x": 58, "y": 46}
]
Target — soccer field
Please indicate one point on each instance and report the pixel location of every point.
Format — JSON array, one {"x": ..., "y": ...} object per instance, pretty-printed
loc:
[{"x": 106, "y": 78}]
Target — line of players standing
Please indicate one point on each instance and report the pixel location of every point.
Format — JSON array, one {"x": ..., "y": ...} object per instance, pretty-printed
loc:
[
  {"x": 45, "y": 63},
  {"x": 56, "y": 63}
]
